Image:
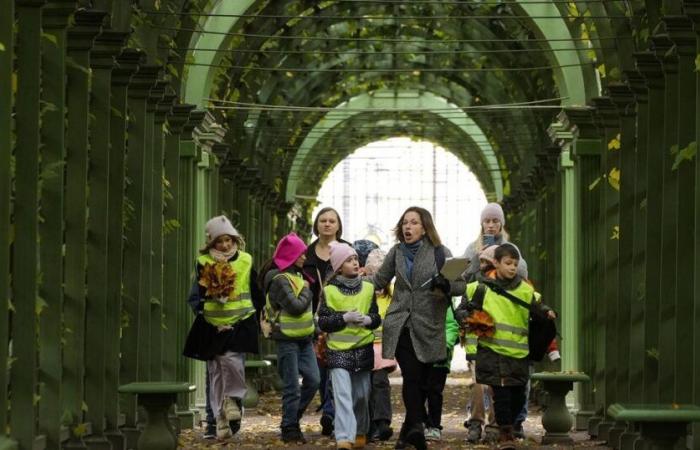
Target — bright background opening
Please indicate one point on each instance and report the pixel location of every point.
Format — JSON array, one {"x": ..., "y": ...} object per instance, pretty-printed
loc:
[{"x": 373, "y": 186}]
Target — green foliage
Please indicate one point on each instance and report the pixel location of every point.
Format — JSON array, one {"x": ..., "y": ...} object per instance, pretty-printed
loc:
[{"x": 685, "y": 154}]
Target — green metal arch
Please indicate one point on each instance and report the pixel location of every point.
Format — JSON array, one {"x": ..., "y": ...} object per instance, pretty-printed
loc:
[
  {"x": 197, "y": 84},
  {"x": 395, "y": 100}
]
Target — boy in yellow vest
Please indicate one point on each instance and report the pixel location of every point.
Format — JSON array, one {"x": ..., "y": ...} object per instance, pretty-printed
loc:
[
  {"x": 348, "y": 313},
  {"x": 502, "y": 357},
  {"x": 288, "y": 308}
]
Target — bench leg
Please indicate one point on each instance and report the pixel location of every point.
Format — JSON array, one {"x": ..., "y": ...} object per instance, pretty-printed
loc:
[
  {"x": 117, "y": 439},
  {"x": 557, "y": 420},
  {"x": 251, "y": 398},
  {"x": 157, "y": 434},
  {"x": 662, "y": 435}
]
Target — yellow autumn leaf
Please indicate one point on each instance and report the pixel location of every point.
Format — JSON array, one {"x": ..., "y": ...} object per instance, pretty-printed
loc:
[
  {"x": 80, "y": 430},
  {"x": 615, "y": 233},
  {"x": 614, "y": 178},
  {"x": 614, "y": 143}
]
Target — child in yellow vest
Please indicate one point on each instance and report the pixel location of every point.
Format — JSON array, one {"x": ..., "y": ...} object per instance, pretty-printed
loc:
[
  {"x": 288, "y": 308},
  {"x": 348, "y": 313},
  {"x": 502, "y": 357},
  {"x": 225, "y": 328}
]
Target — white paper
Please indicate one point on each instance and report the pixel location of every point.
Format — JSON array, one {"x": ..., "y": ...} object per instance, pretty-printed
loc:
[{"x": 454, "y": 268}]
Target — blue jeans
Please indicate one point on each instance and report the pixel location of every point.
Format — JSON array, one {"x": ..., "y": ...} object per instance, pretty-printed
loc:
[
  {"x": 326, "y": 392},
  {"x": 351, "y": 396},
  {"x": 296, "y": 358}
]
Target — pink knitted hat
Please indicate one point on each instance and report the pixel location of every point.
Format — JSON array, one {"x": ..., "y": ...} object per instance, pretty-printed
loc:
[
  {"x": 339, "y": 254},
  {"x": 288, "y": 250},
  {"x": 489, "y": 254}
]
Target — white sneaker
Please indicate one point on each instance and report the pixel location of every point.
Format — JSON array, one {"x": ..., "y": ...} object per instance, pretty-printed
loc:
[
  {"x": 433, "y": 434},
  {"x": 231, "y": 409}
]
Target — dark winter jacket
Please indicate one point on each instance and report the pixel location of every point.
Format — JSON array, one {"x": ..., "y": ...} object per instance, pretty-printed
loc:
[
  {"x": 330, "y": 321},
  {"x": 282, "y": 297},
  {"x": 204, "y": 341}
]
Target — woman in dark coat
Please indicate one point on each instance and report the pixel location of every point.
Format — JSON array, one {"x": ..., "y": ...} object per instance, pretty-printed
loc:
[
  {"x": 414, "y": 326},
  {"x": 327, "y": 228}
]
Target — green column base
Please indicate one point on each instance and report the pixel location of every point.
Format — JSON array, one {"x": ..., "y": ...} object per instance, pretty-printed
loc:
[
  {"x": 98, "y": 443},
  {"x": 74, "y": 443},
  {"x": 604, "y": 428},
  {"x": 614, "y": 434},
  {"x": 131, "y": 436},
  {"x": 628, "y": 440},
  {"x": 117, "y": 439},
  {"x": 8, "y": 444},
  {"x": 593, "y": 423},
  {"x": 581, "y": 419},
  {"x": 186, "y": 419}
]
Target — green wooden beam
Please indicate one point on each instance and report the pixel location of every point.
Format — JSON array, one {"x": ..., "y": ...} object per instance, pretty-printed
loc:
[
  {"x": 55, "y": 22},
  {"x": 25, "y": 273}
]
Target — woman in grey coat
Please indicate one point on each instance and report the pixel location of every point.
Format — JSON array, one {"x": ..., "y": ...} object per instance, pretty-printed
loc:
[{"x": 414, "y": 326}]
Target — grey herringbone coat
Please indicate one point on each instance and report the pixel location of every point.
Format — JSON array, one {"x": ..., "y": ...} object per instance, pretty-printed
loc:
[{"x": 421, "y": 309}]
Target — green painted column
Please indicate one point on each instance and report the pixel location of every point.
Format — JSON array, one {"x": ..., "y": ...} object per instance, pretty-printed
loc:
[
  {"x": 127, "y": 64},
  {"x": 637, "y": 287},
  {"x": 107, "y": 45},
  {"x": 133, "y": 291},
  {"x": 25, "y": 273},
  {"x": 606, "y": 116},
  {"x": 162, "y": 108},
  {"x": 87, "y": 25},
  {"x": 585, "y": 150},
  {"x": 649, "y": 67},
  {"x": 7, "y": 55},
  {"x": 665, "y": 53},
  {"x": 680, "y": 31},
  {"x": 176, "y": 317},
  {"x": 189, "y": 241},
  {"x": 568, "y": 239},
  {"x": 55, "y": 21},
  {"x": 623, "y": 98},
  {"x": 692, "y": 9}
]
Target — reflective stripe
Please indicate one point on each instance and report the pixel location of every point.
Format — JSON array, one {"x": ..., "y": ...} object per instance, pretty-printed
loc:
[
  {"x": 340, "y": 337},
  {"x": 512, "y": 329},
  {"x": 296, "y": 325},
  {"x": 228, "y": 312},
  {"x": 505, "y": 343},
  {"x": 471, "y": 340},
  {"x": 244, "y": 296},
  {"x": 377, "y": 334}
]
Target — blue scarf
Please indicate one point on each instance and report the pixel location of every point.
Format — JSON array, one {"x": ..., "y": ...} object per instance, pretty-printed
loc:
[{"x": 409, "y": 252}]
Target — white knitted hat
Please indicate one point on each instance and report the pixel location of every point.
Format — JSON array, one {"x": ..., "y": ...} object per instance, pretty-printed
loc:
[{"x": 219, "y": 226}]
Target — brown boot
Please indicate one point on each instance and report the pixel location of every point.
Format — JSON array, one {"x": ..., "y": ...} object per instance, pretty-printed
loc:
[
  {"x": 360, "y": 441},
  {"x": 506, "y": 439}
]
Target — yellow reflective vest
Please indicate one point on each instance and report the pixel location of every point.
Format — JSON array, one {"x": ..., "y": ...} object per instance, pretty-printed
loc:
[
  {"x": 239, "y": 305},
  {"x": 383, "y": 302},
  {"x": 290, "y": 325},
  {"x": 510, "y": 320},
  {"x": 352, "y": 336}
]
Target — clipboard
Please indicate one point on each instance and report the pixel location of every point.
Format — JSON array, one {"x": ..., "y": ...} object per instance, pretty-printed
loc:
[{"x": 454, "y": 268}]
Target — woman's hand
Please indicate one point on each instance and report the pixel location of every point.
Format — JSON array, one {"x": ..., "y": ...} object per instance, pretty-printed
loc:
[
  {"x": 551, "y": 315},
  {"x": 220, "y": 328}
]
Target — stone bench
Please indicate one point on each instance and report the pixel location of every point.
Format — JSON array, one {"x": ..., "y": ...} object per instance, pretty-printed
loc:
[
  {"x": 273, "y": 376},
  {"x": 156, "y": 398},
  {"x": 556, "y": 419},
  {"x": 661, "y": 426},
  {"x": 253, "y": 370}
]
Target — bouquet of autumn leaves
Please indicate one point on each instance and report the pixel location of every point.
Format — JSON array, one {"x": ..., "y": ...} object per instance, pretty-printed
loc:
[
  {"x": 219, "y": 280},
  {"x": 480, "y": 323}
]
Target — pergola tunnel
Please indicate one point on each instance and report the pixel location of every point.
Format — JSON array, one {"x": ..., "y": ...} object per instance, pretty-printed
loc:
[{"x": 125, "y": 126}]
